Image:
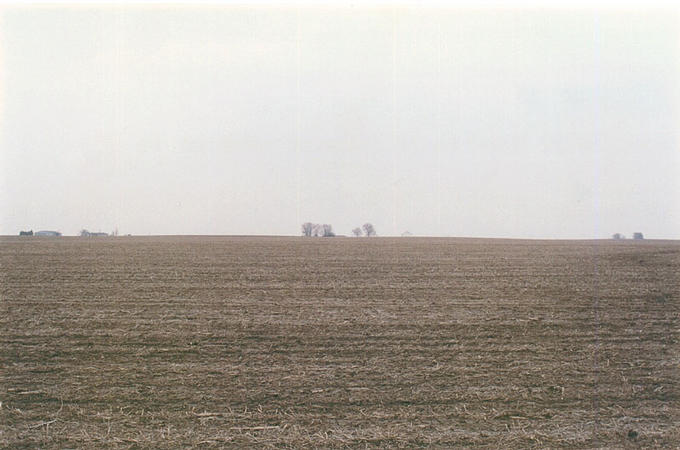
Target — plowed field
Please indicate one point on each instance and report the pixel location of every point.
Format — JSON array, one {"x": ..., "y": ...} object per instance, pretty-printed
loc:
[{"x": 386, "y": 342}]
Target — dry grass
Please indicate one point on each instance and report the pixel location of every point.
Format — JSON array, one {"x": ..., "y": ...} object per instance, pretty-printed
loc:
[{"x": 292, "y": 342}]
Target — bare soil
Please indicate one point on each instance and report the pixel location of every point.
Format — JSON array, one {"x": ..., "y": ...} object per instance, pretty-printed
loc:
[{"x": 370, "y": 342}]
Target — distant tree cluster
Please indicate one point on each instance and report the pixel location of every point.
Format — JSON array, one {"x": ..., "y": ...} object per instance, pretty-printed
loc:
[
  {"x": 366, "y": 230},
  {"x": 85, "y": 233},
  {"x": 369, "y": 230},
  {"x": 317, "y": 230},
  {"x": 310, "y": 229}
]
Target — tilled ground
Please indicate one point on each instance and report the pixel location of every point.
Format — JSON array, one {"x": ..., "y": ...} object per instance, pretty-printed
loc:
[{"x": 389, "y": 342}]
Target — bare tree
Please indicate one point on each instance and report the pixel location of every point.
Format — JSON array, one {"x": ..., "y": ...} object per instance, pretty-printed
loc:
[
  {"x": 369, "y": 230},
  {"x": 638, "y": 236},
  {"x": 317, "y": 230},
  {"x": 618, "y": 236},
  {"x": 327, "y": 230},
  {"x": 357, "y": 232},
  {"x": 307, "y": 229}
]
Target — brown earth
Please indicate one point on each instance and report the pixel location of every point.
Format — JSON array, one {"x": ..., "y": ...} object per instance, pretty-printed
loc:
[{"x": 389, "y": 342}]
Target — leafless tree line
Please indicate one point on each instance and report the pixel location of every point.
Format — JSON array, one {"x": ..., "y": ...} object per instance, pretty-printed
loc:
[
  {"x": 317, "y": 230},
  {"x": 310, "y": 229},
  {"x": 366, "y": 230}
]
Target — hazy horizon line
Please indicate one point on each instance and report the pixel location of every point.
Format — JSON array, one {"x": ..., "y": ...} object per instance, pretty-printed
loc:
[{"x": 515, "y": 238}]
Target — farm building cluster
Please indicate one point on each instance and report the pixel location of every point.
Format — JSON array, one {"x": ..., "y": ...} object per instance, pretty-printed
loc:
[
  {"x": 40, "y": 233},
  {"x": 83, "y": 233},
  {"x": 636, "y": 236}
]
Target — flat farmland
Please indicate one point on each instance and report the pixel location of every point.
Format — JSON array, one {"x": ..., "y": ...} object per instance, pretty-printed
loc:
[{"x": 310, "y": 342}]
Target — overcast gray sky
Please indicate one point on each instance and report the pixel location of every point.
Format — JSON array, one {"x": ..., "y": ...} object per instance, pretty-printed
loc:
[{"x": 223, "y": 119}]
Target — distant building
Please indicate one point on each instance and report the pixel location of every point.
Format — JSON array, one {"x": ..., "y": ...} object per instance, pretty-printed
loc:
[
  {"x": 637, "y": 235},
  {"x": 47, "y": 233},
  {"x": 26, "y": 233}
]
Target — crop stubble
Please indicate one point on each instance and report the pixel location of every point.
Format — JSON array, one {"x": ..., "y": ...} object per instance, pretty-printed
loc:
[{"x": 237, "y": 341}]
